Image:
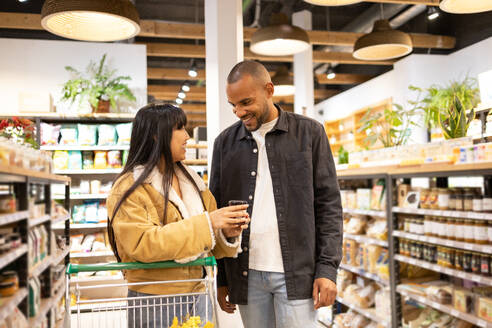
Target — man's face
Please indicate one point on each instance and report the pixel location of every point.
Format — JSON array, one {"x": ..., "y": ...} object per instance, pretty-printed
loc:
[{"x": 249, "y": 101}]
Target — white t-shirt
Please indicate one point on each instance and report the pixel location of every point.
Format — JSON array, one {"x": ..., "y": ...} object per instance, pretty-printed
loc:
[{"x": 264, "y": 243}]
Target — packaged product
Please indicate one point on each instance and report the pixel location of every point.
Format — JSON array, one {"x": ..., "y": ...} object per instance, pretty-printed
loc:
[
  {"x": 403, "y": 190},
  {"x": 49, "y": 134},
  {"x": 74, "y": 160},
  {"x": 34, "y": 295},
  {"x": 351, "y": 199},
  {"x": 95, "y": 186},
  {"x": 484, "y": 308},
  {"x": 99, "y": 243},
  {"x": 8, "y": 204},
  {"x": 100, "y": 160},
  {"x": 344, "y": 278},
  {"x": 383, "y": 264},
  {"x": 124, "y": 157},
  {"x": 102, "y": 213},
  {"x": 87, "y": 134},
  {"x": 76, "y": 243},
  {"x": 87, "y": 243},
  {"x": 363, "y": 198},
  {"x": 361, "y": 257},
  {"x": 107, "y": 135},
  {"x": 68, "y": 134},
  {"x": 378, "y": 229},
  {"x": 440, "y": 294},
  {"x": 105, "y": 187},
  {"x": 60, "y": 159},
  {"x": 78, "y": 213},
  {"x": 364, "y": 298},
  {"x": 374, "y": 253},
  {"x": 359, "y": 321},
  {"x": 351, "y": 248},
  {"x": 376, "y": 197},
  {"x": 16, "y": 319},
  {"x": 350, "y": 292},
  {"x": 91, "y": 212},
  {"x": 124, "y": 133},
  {"x": 87, "y": 160},
  {"x": 114, "y": 159},
  {"x": 383, "y": 302},
  {"x": 463, "y": 300},
  {"x": 84, "y": 187},
  {"x": 356, "y": 225}
]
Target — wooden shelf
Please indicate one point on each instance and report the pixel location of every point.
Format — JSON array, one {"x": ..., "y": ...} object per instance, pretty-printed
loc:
[
  {"x": 197, "y": 146},
  {"x": 91, "y": 254},
  {"x": 446, "y": 309},
  {"x": 60, "y": 219},
  {"x": 34, "y": 174},
  {"x": 203, "y": 162},
  {"x": 60, "y": 256},
  {"x": 364, "y": 273}
]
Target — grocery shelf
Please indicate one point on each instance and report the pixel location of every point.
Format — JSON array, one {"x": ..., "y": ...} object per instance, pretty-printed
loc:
[
  {"x": 441, "y": 269},
  {"x": 60, "y": 219},
  {"x": 46, "y": 305},
  {"x": 446, "y": 309},
  {"x": 17, "y": 171},
  {"x": 37, "y": 221},
  {"x": 368, "y": 313},
  {"x": 364, "y": 273},
  {"x": 89, "y": 171},
  {"x": 451, "y": 214},
  {"x": 197, "y": 146},
  {"x": 13, "y": 217},
  {"x": 83, "y": 196},
  {"x": 203, "y": 162},
  {"x": 91, "y": 254},
  {"x": 365, "y": 239},
  {"x": 76, "y": 147},
  {"x": 78, "y": 226},
  {"x": 12, "y": 255},
  {"x": 381, "y": 214},
  {"x": 444, "y": 242},
  {"x": 60, "y": 256},
  {"x": 40, "y": 266},
  {"x": 10, "y": 303}
]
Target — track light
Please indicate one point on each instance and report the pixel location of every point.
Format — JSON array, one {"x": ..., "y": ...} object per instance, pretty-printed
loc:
[
  {"x": 192, "y": 71},
  {"x": 181, "y": 95},
  {"x": 185, "y": 87},
  {"x": 179, "y": 101},
  {"x": 432, "y": 13},
  {"x": 330, "y": 73}
]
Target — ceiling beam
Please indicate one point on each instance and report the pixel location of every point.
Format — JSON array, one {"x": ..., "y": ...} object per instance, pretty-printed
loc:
[
  {"x": 160, "y": 29},
  {"x": 198, "y": 51},
  {"x": 181, "y": 74}
]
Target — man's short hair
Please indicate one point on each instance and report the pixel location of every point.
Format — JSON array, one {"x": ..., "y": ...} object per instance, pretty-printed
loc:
[{"x": 248, "y": 67}]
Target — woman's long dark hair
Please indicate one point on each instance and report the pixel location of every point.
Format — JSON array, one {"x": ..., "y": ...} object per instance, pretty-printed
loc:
[{"x": 150, "y": 143}]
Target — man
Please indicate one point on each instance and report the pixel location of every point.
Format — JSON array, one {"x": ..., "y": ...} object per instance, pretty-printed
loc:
[{"x": 282, "y": 165}]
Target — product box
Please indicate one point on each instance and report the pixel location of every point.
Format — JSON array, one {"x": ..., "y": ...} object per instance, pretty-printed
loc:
[
  {"x": 484, "y": 308},
  {"x": 363, "y": 198},
  {"x": 403, "y": 190},
  {"x": 463, "y": 300}
]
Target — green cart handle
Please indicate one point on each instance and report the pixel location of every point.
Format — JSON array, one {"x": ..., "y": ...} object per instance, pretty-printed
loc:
[{"x": 75, "y": 268}]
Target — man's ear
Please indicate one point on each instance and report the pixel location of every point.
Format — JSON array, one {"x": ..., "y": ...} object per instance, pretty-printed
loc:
[{"x": 269, "y": 89}]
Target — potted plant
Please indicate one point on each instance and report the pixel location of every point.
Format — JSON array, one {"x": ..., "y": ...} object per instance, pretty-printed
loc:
[
  {"x": 391, "y": 126},
  {"x": 455, "y": 121},
  {"x": 100, "y": 86}
]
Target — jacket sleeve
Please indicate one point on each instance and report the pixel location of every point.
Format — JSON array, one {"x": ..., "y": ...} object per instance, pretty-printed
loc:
[
  {"x": 215, "y": 189},
  {"x": 146, "y": 241},
  {"x": 327, "y": 206}
]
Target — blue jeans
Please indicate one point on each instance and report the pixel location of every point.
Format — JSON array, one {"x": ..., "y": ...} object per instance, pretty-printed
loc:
[
  {"x": 268, "y": 306},
  {"x": 159, "y": 312}
]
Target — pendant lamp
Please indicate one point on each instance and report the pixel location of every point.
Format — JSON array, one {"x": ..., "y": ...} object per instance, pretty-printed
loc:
[
  {"x": 279, "y": 38},
  {"x": 91, "y": 20},
  {"x": 382, "y": 43},
  {"x": 465, "y": 6},
  {"x": 332, "y": 2},
  {"x": 283, "y": 82}
]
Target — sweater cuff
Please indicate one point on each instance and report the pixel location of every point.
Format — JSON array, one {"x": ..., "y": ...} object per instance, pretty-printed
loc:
[{"x": 236, "y": 244}]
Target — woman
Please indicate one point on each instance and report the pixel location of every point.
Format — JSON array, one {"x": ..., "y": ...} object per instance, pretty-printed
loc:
[{"x": 161, "y": 210}]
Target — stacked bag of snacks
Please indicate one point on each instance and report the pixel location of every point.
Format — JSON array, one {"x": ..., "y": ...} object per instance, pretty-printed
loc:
[
  {"x": 352, "y": 319},
  {"x": 94, "y": 242},
  {"x": 365, "y": 198},
  {"x": 90, "y": 212},
  {"x": 87, "y": 135}
]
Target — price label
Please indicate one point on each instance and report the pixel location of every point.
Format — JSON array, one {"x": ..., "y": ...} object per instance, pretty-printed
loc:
[
  {"x": 482, "y": 323},
  {"x": 468, "y": 246},
  {"x": 426, "y": 265},
  {"x": 462, "y": 275},
  {"x": 412, "y": 261},
  {"x": 470, "y": 215},
  {"x": 449, "y": 243},
  {"x": 455, "y": 313},
  {"x": 449, "y": 272}
]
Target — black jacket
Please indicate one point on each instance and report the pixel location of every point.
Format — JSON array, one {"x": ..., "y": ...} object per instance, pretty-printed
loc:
[{"x": 307, "y": 200}]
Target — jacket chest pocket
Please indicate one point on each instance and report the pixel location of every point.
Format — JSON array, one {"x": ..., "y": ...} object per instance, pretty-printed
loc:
[
  {"x": 172, "y": 214},
  {"x": 299, "y": 168}
]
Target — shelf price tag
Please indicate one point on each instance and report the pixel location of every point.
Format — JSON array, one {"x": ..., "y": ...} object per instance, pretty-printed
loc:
[
  {"x": 462, "y": 275},
  {"x": 482, "y": 323},
  {"x": 468, "y": 246},
  {"x": 455, "y": 313}
]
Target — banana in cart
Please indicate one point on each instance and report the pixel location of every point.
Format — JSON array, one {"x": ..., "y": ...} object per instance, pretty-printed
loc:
[{"x": 192, "y": 322}]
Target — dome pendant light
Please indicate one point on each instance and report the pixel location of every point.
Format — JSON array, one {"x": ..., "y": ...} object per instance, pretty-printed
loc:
[
  {"x": 283, "y": 82},
  {"x": 382, "y": 43},
  {"x": 332, "y": 2},
  {"x": 91, "y": 20},
  {"x": 465, "y": 6},
  {"x": 279, "y": 38}
]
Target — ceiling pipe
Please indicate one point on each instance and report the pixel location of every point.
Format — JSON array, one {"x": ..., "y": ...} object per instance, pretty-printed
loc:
[{"x": 407, "y": 15}]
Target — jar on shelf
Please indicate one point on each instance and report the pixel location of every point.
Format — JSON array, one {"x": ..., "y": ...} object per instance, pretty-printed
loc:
[
  {"x": 468, "y": 202},
  {"x": 458, "y": 260},
  {"x": 452, "y": 200},
  {"x": 477, "y": 203},
  {"x": 441, "y": 233},
  {"x": 406, "y": 224},
  {"x": 424, "y": 198},
  {"x": 480, "y": 232},
  {"x": 476, "y": 263},
  {"x": 450, "y": 229},
  {"x": 459, "y": 231},
  {"x": 458, "y": 205},
  {"x": 485, "y": 264},
  {"x": 419, "y": 226},
  {"x": 489, "y": 231},
  {"x": 428, "y": 226},
  {"x": 443, "y": 199},
  {"x": 467, "y": 261},
  {"x": 433, "y": 199},
  {"x": 469, "y": 229}
]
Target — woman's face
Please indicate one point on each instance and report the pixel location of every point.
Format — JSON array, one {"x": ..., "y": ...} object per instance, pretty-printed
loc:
[{"x": 178, "y": 144}]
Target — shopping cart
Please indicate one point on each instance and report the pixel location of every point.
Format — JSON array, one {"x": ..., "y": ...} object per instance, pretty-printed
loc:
[{"x": 137, "y": 310}]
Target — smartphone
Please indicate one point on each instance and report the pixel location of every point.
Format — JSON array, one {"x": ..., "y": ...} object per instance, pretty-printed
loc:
[{"x": 237, "y": 202}]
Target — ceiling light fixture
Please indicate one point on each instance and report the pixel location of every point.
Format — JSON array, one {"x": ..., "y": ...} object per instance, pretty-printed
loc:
[
  {"x": 330, "y": 73},
  {"x": 91, "y": 20},
  {"x": 465, "y": 6},
  {"x": 179, "y": 101},
  {"x": 192, "y": 71},
  {"x": 332, "y": 2},
  {"x": 185, "y": 87},
  {"x": 181, "y": 95},
  {"x": 382, "y": 43},
  {"x": 432, "y": 13},
  {"x": 279, "y": 38},
  {"x": 283, "y": 82}
]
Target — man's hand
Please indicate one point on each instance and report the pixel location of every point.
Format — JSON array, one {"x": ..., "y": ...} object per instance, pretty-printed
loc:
[
  {"x": 222, "y": 298},
  {"x": 324, "y": 292}
]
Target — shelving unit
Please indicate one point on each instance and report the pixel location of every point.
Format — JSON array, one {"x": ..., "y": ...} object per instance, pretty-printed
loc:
[
  {"x": 84, "y": 196},
  {"x": 366, "y": 240},
  {"x": 368, "y": 313},
  {"x": 450, "y": 214},
  {"x": 82, "y": 148},
  {"x": 364, "y": 273},
  {"x": 381, "y": 214},
  {"x": 32, "y": 185}
]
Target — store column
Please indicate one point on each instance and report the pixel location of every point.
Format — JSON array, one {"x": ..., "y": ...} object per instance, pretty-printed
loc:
[
  {"x": 224, "y": 49},
  {"x": 303, "y": 69}
]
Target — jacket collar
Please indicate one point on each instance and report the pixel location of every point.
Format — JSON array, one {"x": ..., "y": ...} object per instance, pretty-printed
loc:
[
  {"x": 155, "y": 176},
  {"x": 282, "y": 125}
]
